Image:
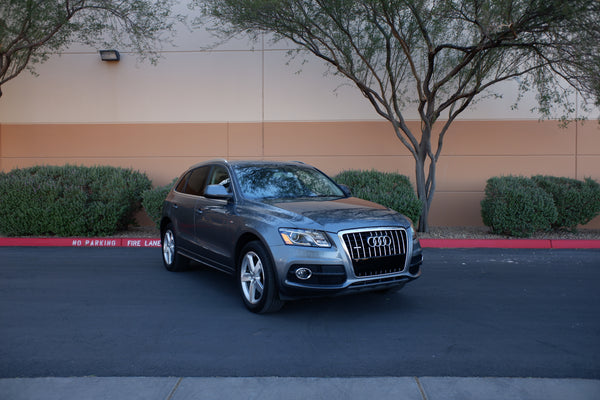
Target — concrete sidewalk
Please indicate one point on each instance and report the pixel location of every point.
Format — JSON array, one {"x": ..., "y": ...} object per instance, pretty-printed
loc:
[{"x": 272, "y": 388}]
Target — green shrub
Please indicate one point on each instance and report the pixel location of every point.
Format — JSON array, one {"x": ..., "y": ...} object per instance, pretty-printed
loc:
[
  {"x": 152, "y": 201},
  {"x": 516, "y": 206},
  {"x": 69, "y": 200},
  {"x": 577, "y": 202},
  {"x": 389, "y": 189}
]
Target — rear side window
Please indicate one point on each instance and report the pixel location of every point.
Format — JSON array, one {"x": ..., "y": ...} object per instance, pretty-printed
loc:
[
  {"x": 197, "y": 181},
  {"x": 181, "y": 186}
]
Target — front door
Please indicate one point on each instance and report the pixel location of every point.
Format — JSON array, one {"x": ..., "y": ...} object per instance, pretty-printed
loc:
[{"x": 216, "y": 222}]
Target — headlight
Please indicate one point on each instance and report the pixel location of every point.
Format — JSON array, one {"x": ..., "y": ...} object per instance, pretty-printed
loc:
[
  {"x": 413, "y": 231},
  {"x": 304, "y": 237}
]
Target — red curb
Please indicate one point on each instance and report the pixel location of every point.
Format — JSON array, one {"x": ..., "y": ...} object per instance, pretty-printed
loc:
[
  {"x": 144, "y": 242},
  {"x": 488, "y": 243},
  {"x": 575, "y": 244},
  {"x": 81, "y": 242}
]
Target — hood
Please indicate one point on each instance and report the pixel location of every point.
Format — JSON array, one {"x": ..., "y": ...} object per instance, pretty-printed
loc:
[{"x": 346, "y": 213}]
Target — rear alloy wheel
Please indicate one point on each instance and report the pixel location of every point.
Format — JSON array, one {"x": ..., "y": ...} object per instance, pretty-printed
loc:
[
  {"x": 172, "y": 260},
  {"x": 256, "y": 280}
]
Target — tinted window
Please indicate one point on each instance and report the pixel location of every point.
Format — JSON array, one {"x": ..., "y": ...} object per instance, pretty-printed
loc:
[
  {"x": 285, "y": 182},
  {"x": 181, "y": 185},
  {"x": 197, "y": 180}
]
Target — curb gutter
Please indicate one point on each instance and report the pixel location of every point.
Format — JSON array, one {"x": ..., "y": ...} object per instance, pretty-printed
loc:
[{"x": 426, "y": 243}]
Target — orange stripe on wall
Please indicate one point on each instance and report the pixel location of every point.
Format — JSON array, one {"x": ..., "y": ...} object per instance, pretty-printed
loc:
[{"x": 473, "y": 152}]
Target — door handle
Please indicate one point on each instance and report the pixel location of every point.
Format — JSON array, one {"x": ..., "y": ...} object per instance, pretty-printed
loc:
[{"x": 199, "y": 211}]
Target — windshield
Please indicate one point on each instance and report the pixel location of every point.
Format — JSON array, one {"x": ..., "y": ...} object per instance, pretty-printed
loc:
[{"x": 285, "y": 182}]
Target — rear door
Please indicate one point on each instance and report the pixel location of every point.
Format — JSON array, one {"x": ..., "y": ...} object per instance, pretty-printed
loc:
[{"x": 184, "y": 206}]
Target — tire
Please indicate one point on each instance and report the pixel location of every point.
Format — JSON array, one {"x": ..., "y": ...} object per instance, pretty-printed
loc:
[
  {"x": 172, "y": 260},
  {"x": 257, "y": 280}
]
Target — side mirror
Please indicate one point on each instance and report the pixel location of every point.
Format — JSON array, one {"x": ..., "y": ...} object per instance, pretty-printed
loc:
[
  {"x": 345, "y": 189},
  {"x": 217, "y": 192}
]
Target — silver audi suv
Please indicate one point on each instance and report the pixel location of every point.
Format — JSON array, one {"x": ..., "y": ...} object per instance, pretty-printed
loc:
[{"x": 285, "y": 230}]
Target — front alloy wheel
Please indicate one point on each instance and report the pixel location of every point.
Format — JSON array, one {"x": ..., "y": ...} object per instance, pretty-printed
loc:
[
  {"x": 256, "y": 279},
  {"x": 252, "y": 278}
]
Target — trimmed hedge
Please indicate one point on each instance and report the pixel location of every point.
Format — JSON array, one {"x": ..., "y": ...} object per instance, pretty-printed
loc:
[
  {"x": 577, "y": 202},
  {"x": 152, "y": 201},
  {"x": 389, "y": 189},
  {"x": 516, "y": 206},
  {"x": 519, "y": 206},
  {"x": 69, "y": 200}
]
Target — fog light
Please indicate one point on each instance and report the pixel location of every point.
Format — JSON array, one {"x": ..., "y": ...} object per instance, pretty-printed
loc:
[{"x": 303, "y": 273}]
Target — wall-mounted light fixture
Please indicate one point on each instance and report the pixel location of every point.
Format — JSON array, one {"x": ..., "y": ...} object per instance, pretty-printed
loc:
[{"x": 110, "y": 55}]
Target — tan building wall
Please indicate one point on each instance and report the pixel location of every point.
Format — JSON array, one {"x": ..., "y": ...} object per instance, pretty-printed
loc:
[
  {"x": 246, "y": 100},
  {"x": 474, "y": 151}
]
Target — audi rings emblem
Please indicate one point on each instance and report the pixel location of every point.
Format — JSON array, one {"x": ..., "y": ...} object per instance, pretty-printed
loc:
[{"x": 379, "y": 241}]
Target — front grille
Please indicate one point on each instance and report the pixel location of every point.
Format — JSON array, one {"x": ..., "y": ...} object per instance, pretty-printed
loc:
[{"x": 376, "y": 252}]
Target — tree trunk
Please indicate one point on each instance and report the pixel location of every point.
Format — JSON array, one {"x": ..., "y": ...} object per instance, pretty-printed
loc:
[
  {"x": 425, "y": 187},
  {"x": 423, "y": 223}
]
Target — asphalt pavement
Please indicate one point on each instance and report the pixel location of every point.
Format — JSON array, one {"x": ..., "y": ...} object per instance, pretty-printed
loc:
[{"x": 271, "y": 384}]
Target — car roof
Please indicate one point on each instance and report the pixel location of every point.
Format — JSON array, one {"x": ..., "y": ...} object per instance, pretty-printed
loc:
[{"x": 245, "y": 163}]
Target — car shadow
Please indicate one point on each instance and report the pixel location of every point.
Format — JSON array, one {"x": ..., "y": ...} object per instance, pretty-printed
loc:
[
  {"x": 216, "y": 286},
  {"x": 354, "y": 304}
]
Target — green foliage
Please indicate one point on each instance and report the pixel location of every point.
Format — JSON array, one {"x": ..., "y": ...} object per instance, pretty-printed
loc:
[
  {"x": 389, "y": 189},
  {"x": 69, "y": 200},
  {"x": 30, "y": 30},
  {"x": 516, "y": 206},
  {"x": 519, "y": 206},
  {"x": 152, "y": 201},
  {"x": 577, "y": 202},
  {"x": 451, "y": 50}
]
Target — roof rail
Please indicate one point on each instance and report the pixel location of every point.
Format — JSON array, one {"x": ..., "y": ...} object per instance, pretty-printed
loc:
[
  {"x": 209, "y": 161},
  {"x": 219, "y": 159}
]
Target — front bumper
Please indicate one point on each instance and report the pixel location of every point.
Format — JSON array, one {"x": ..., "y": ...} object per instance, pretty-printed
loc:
[{"x": 333, "y": 272}]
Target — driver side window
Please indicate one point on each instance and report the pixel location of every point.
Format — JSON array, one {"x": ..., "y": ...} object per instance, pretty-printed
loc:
[{"x": 220, "y": 176}]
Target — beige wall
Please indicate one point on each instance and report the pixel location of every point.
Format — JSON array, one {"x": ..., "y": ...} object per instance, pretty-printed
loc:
[
  {"x": 474, "y": 151},
  {"x": 249, "y": 100},
  {"x": 232, "y": 83}
]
